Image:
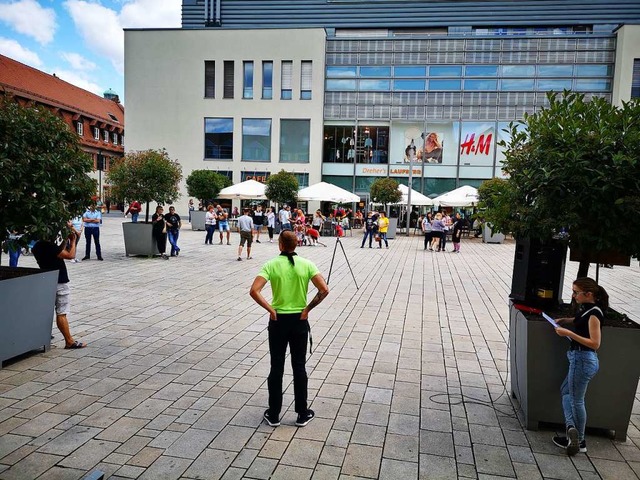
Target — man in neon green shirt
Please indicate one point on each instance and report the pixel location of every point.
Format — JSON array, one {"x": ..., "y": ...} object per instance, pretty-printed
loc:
[{"x": 288, "y": 322}]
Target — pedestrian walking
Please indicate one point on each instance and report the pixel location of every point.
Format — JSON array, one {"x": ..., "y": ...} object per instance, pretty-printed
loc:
[
  {"x": 369, "y": 229},
  {"x": 159, "y": 231},
  {"x": 222, "y": 217},
  {"x": 456, "y": 234},
  {"x": 289, "y": 276},
  {"x": 258, "y": 221},
  {"x": 271, "y": 222},
  {"x": 174, "y": 224},
  {"x": 245, "y": 227},
  {"x": 383, "y": 226}
]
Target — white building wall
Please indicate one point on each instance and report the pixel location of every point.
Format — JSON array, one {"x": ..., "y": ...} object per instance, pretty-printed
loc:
[
  {"x": 166, "y": 107},
  {"x": 627, "y": 50}
]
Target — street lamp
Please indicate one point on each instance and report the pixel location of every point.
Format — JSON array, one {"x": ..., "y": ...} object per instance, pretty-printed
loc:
[{"x": 100, "y": 165}]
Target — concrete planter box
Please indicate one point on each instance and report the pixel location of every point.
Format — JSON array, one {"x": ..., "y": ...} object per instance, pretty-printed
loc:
[
  {"x": 489, "y": 237},
  {"x": 27, "y": 302},
  {"x": 539, "y": 365},
  {"x": 393, "y": 227},
  {"x": 138, "y": 239},
  {"x": 197, "y": 220}
]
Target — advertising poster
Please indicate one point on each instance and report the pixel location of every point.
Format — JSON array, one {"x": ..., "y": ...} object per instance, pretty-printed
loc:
[
  {"x": 477, "y": 143},
  {"x": 424, "y": 144}
]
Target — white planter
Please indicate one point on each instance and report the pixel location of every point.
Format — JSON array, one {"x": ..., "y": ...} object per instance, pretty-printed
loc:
[{"x": 489, "y": 237}]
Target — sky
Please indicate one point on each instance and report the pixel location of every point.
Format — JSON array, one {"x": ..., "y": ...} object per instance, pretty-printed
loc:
[{"x": 81, "y": 41}]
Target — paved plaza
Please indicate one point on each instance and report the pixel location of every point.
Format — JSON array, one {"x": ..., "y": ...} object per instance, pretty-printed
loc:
[{"x": 403, "y": 370}]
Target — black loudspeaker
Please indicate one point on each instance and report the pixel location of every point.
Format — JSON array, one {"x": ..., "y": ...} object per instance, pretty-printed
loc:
[{"x": 538, "y": 271}]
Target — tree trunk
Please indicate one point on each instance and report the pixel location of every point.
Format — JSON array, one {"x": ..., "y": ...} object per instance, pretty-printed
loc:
[
  {"x": 146, "y": 218},
  {"x": 583, "y": 269}
]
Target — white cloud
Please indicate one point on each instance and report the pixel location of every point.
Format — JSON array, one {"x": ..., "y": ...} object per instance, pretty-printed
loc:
[
  {"x": 78, "y": 62},
  {"x": 12, "y": 49},
  {"x": 79, "y": 80},
  {"x": 101, "y": 27},
  {"x": 151, "y": 14},
  {"x": 30, "y": 18}
]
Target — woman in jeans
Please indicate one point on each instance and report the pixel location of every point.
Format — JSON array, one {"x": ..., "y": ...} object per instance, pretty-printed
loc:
[
  {"x": 209, "y": 225},
  {"x": 271, "y": 222},
  {"x": 583, "y": 360}
]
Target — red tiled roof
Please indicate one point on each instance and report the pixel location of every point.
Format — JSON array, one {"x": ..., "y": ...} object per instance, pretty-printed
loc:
[{"x": 48, "y": 89}]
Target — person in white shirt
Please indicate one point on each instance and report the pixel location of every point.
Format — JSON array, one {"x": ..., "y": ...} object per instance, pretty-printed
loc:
[
  {"x": 271, "y": 222},
  {"x": 245, "y": 227},
  {"x": 284, "y": 215}
]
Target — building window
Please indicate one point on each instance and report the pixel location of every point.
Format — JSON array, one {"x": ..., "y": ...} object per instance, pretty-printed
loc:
[
  {"x": 286, "y": 80},
  {"x": 635, "y": 79},
  {"x": 105, "y": 136},
  {"x": 267, "y": 80},
  {"x": 446, "y": 71},
  {"x": 342, "y": 145},
  {"x": 518, "y": 70},
  {"x": 294, "y": 141},
  {"x": 209, "y": 79},
  {"x": 480, "y": 85},
  {"x": 481, "y": 71},
  {"x": 303, "y": 181},
  {"x": 80, "y": 128},
  {"x": 341, "y": 72},
  {"x": 115, "y": 138},
  {"x": 228, "y": 79},
  {"x": 409, "y": 71},
  {"x": 592, "y": 85},
  {"x": 525, "y": 84},
  {"x": 375, "y": 71},
  {"x": 593, "y": 70},
  {"x": 337, "y": 85},
  {"x": 375, "y": 85},
  {"x": 444, "y": 84},
  {"x": 408, "y": 85},
  {"x": 247, "y": 79},
  {"x": 256, "y": 139},
  {"x": 555, "y": 70},
  {"x": 306, "y": 77},
  {"x": 557, "y": 85},
  {"x": 218, "y": 138},
  {"x": 96, "y": 133}
]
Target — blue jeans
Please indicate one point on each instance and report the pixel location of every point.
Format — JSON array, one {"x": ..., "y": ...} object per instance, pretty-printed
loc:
[
  {"x": 582, "y": 368},
  {"x": 14, "y": 255},
  {"x": 286, "y": 226},
  {"x": 209, "y": 238},
  {"x": 134, "y": 217},
  {"x": 173, "y": 240},
  {"x": 367, "y": 233},
  {"x": 383, "y": 236},
  {"x": 95, "y": 233}
]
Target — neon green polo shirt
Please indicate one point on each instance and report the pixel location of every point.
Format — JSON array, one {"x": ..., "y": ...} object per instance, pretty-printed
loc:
[{"x": 289, "y": 283}]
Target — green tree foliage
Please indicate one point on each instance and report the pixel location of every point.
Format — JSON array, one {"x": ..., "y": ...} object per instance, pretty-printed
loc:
[
  {"x": 575, "y": 168},
  {"x": 145, "y": 176},
  {"x": 43, "y": 172},
  {"x": 385, "y": 191},
  {"x": 496, "y": 203},
  {"x": 282, "y": 187},
  {"x": 205, "y": 185}
]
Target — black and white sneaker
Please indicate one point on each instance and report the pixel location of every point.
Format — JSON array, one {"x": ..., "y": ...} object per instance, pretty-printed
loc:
[
  {"x": 304, "y": 418},
  {"x": 574, "y": 443},
  {"x": 563, "y": 442},
  {"x": 271, "y": 421}
]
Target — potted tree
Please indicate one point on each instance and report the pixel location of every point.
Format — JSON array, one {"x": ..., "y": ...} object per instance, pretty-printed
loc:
[
  {"x": 282, "y": 187},
  {"x": 571, "y": 160},
  {"x": 145, "y": 176},
  {"x": 385, "y": 191},
  {"x": 205, "y": 185},
  {"x": 44, "y": 183},
  {"x": 490, "y": 195}
]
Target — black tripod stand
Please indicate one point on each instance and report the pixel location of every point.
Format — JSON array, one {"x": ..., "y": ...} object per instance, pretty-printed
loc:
[{"x": 333, "y": 257}]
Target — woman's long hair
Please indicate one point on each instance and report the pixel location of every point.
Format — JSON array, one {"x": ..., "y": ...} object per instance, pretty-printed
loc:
[{"x": 600, "y": 295}]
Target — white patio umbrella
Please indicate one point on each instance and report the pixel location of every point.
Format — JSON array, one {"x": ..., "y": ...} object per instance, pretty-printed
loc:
[
  {"x": 464, "y": 196},
  {"x": 247, "y": 190},
  {"x": 417, "y": 199},
  {"x": 327, "y": 192}
]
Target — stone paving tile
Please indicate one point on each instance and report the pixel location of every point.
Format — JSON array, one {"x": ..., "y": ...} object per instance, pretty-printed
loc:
[
  {"x": 30, "y": 467},
  {"x": 395, "y": 374}
]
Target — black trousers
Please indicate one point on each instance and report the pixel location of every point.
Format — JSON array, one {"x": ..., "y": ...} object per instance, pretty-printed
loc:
[{"x": 288, "y": 329}]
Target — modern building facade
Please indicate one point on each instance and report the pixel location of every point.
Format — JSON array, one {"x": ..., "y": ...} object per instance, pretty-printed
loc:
[
  {"x": 384, "y": 87},
  {"x": 98, "y": 121}
]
